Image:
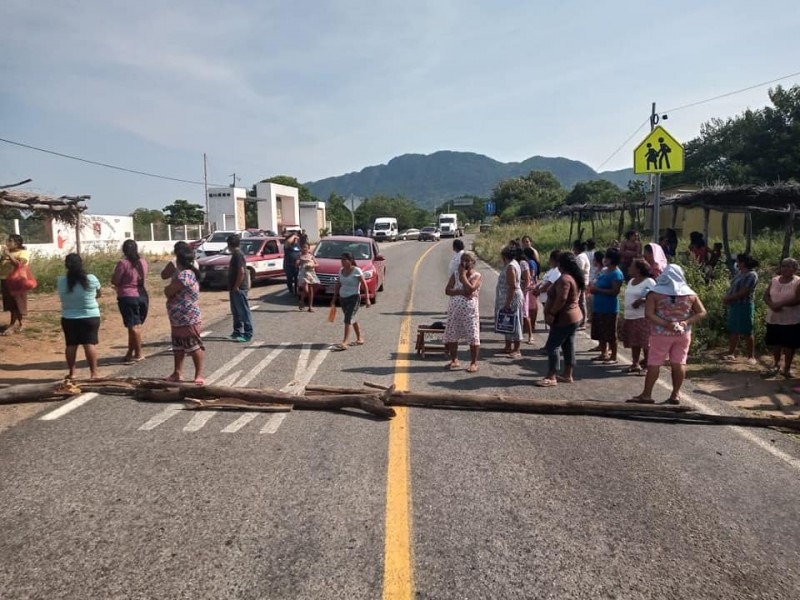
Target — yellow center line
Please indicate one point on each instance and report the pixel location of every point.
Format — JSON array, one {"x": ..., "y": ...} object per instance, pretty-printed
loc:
[{"x": 398, "y": 575}]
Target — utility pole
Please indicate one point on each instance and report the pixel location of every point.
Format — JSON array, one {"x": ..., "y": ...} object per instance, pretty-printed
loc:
[
  {"x": 205, "y": 187},
  {"x": 654, "y": 118}
]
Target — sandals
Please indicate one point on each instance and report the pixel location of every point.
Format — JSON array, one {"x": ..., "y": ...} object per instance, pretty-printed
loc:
[
  {"x": 562, "y": 379},
  {"x": 673, "y": 400},
  {"x": 338, "y": 347},
  {"x": 610, "y": 361},
  {"x": 199, "y": 380},
  {"x": 357, "y": 343},
  {"x": 453, "y": 366},
  {"x": 600, "y": 358},
  {"x": 472, "y": 369},
  {"x": 634, "y": 369},
  {"x": 728, "y": 358},
  {"x": 546, "y": 383},
  {"x": 174, "y": 378},
  {"x": 640, "y": 400}
]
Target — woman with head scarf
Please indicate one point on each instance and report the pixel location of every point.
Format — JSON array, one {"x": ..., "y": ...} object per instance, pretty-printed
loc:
[
  {"x": 672, "y": 307},
  {"x": 655, "y": 258}
]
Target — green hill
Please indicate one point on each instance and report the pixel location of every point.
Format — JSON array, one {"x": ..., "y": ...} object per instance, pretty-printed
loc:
[{"x": 429, "y": 179}]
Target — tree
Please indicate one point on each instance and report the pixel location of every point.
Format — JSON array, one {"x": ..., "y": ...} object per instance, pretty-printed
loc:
[
  {"x": 182, "y": 212},
  {"x": 598, "y": 191},
  {"x": 757, "y": 147},
  {"x": 527, "y": 196},
  {"x": 338, "y": 214},
  {"x": 146, "y": 216}
]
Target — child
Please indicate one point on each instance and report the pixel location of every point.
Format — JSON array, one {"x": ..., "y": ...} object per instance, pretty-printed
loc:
[{"x": 307, "y": 279}]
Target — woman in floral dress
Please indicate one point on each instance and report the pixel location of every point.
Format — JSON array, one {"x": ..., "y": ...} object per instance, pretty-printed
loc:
[
  {"x": 463, "y": 315},
  {"x": 183, "y": 294}
]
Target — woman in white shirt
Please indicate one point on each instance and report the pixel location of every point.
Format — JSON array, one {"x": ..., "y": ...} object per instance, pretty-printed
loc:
[{"x": 635, "y": 328}]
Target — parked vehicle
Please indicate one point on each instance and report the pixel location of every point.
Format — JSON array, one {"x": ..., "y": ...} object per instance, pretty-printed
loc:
[
  {"x": 385, "y": 229},
  {"x": 449, "y": 225},
  {"x": 409, "y": 234},
  {"x": 429, "y": 234},
  {"x": 264, "y": 257},
  {"x": 328, "y": 253},
  {"x": 484, "y": 227},
  {"x": 216, "y": 242}
]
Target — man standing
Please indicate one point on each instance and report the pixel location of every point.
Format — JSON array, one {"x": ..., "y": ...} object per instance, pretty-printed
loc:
[
  {"x": 291, "y": 252},
  {"x": 238, "y": 286}
]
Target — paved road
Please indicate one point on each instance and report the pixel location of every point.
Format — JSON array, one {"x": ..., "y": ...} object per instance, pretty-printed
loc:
[{"x": 117, "y": 499}]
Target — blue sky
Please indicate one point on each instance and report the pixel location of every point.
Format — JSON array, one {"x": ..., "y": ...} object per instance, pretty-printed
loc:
[{"x": 315, "y": 89}]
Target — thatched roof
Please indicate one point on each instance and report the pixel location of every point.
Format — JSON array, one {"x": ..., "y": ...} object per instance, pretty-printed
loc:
[
  {"x": 65, "y": 209},
  {"x": 772, "y": 198}
]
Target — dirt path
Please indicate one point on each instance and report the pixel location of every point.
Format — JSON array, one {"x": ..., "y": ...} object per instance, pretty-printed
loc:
[{"x": 37, "y": 353}]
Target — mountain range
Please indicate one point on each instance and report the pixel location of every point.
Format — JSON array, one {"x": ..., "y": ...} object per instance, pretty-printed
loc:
[{"x": 428, "y": 179}]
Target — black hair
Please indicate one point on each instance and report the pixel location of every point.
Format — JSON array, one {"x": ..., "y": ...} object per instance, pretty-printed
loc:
[
  {"x": 75, "y": 272},
  {"x": 17, "y": 239},
  {"x": 184, "y": 259},
  {"x": 697, "y": 239},
  {"x": 599, "y": 256},
  {"x": 554, "y": 255},
  {"x": 179, "y": 245},
  {"x": 568, "y": 264},
  {"x": 630, "y": 233},
  {"x": 642, "y": 266},
  {"x": 749, "y": 262},
  {"x": 579, "y": 245},
  {"x": 530, "y": 255},
  {"x": 508, "y": 252},
  {"x": 613, "y": 255},
  {"x": 590, "y": 244},
  {"x": 131, "y": 252},
  {"x": 348, "y": 256},
  {"x": 234, "y": 240},
  {"x": 519, "y": 254},
  {"x": 458, "y": 245}
]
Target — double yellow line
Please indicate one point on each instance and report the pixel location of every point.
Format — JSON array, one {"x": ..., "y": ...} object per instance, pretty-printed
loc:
[{"x": 398, "y": 574}]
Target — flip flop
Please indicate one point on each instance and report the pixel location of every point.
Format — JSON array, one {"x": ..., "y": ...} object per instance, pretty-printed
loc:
[
  {"x": 673, "y": 401},
  {"x": 640, "y": 400},
  {"x": 546, "y": 383},
  {"x": 610, "y": 361},
  {"x": 562, "y": 379},
  {"x": 357, "y": 343},
  {"x": 200, "y": 380},
  {"x": 472, "y": 369},
  {"x": 599, "y": 359},
  {"x": 338, "y": 347},
  {"x": 454, "y": 367},
  {"x": 173, "y": 378}
]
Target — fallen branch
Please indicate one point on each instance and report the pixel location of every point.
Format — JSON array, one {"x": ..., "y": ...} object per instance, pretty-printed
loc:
[{"x": 37, "y": 392}]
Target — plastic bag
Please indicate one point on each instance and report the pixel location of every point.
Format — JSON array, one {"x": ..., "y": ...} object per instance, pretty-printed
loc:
[{"x": 21, "y": 280}]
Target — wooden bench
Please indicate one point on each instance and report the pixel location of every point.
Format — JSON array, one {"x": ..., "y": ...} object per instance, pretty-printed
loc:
[{"x": 429, "y": 340}]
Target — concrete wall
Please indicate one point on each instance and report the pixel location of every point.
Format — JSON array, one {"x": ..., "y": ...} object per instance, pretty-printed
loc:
[
  {"x": 226, "y": 208},
  {"x": 313, "y": 217},
  {"x": 278, "y": 206}
]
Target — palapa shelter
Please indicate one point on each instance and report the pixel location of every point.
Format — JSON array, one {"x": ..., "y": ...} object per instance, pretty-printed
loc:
[
  {"x": 777, "y": 200},
  {"x": 64, "y": 209}
]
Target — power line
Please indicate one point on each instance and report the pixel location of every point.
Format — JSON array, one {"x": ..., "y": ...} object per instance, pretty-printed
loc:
[
  {"x": 699, "y": 102},
  {"x": 106, "y": 165}
]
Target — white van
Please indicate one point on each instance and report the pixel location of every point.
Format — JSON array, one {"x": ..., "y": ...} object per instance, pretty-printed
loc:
[{"x": 385, "y": 229}]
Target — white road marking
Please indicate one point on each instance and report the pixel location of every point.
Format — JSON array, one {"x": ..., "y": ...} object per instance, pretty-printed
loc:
[
  {"x": 68, "y": 407},
  {"x": 273, "y": 423},
  {"x": 231, "y": 363},
  {"x": 304, "y": 372},
  {"x": 199, "y": 420},
  {"x": 170, "y": 411},
  {"x": 263, "y": 364},
  {"x": 240, "y": 422},
  {"x": 229, "y": 380}
]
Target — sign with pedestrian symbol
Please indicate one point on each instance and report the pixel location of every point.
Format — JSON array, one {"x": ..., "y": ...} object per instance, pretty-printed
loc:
[{"x": 659, "y": 152}]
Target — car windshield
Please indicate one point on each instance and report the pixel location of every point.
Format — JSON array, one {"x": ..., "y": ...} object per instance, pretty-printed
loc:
[
  {"x": 447, "y": 220},
  {"x": 381, "y": 226},
  {"x": 220, "y": 236},
  {"x": 335, "y": 249}
]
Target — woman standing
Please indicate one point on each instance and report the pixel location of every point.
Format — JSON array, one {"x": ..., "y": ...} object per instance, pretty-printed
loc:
[
  {"x": 532, "y": 298},
  {"x": 672, "y": 308},
  {"x": 12, "y": 256},
  {"x": 307, "y": 280},
  {"x": 563, "y": 314},
  {"x": 630, "y": 249},
  {"x": 463, "y": 315},
  {"x": 605, "y": 307},
  {"x": 525, "y": 280},
  {"x": 740, "y": 300},
  {"x": 129, "y": 281},
  {"x": 80, "y": 313},
  {"x": 348, "y": 290},
  {"x": 655, "y": 258},
  {"x": 183, "y": 294},
  {"x": 291, "y": 252},
  {"x": 635, "y": 328},
  {"x": 508, "y": 297},
  {"x": 783, "y": 316}
]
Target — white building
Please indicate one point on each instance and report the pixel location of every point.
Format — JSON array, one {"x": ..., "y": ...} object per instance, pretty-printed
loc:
[{"x": 226, "y": 208}]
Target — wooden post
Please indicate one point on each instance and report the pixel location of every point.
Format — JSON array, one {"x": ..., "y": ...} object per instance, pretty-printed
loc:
[
  {"x": 726, "y": 244},
  {"x": 674, "y": 215},
  {"x": 787, "y": 240},
  {"x": 591, "y": 220},
  {"x": 706, "y": 218},
  {"x": 621, "y": 227},
  {"x": 748, "y": 232},
  {"x": 580, "y": 233},
  {"x": 571, "y": 219},
  {"x": 78, "y": 235}
]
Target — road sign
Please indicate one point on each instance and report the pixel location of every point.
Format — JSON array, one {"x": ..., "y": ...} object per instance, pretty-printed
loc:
[
  {"x": 462, "y": 202},
  {"x": 490, "y": 207},
  {"x": 659, "y": 152}
]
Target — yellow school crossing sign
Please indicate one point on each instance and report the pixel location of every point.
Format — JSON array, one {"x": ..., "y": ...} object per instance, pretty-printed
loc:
[{"x": 659, "y": 152}]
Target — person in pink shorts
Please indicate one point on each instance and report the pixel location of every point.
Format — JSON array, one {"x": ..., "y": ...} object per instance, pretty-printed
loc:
[{"x": 672, "y": 307}]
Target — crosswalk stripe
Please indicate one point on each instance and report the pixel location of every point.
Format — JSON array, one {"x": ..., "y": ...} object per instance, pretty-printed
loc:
[
  {"x": 240, "y": 422},
  {"x": 263, "y": 364},
  {"x": 199, "y": 420},
  {"x": 68, "y": 407},
  {"x": 170, "y": 411},
  {"x": 273, "y": 423}
]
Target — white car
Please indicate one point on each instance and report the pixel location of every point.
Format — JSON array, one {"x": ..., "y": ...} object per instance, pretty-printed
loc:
[
  {"x": 409, "y": 234},
  {"x": 217, "y": 242}
]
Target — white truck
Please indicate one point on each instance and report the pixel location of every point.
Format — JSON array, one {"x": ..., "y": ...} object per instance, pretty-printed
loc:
[
  {"x": 449, "y": 226},
  {"x": 385, "y": 229}
]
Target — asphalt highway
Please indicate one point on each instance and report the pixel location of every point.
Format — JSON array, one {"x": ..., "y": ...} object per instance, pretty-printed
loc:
[{"x": 106, "y": 497}]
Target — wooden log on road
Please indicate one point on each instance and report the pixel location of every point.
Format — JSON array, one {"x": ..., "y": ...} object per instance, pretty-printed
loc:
[{"x": 37, "y": 392}]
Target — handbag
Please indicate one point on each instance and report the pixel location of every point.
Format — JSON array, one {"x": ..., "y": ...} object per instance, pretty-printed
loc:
[
  {"x": 505, "y": 321},
  {"x": 21, "y": 279}
]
